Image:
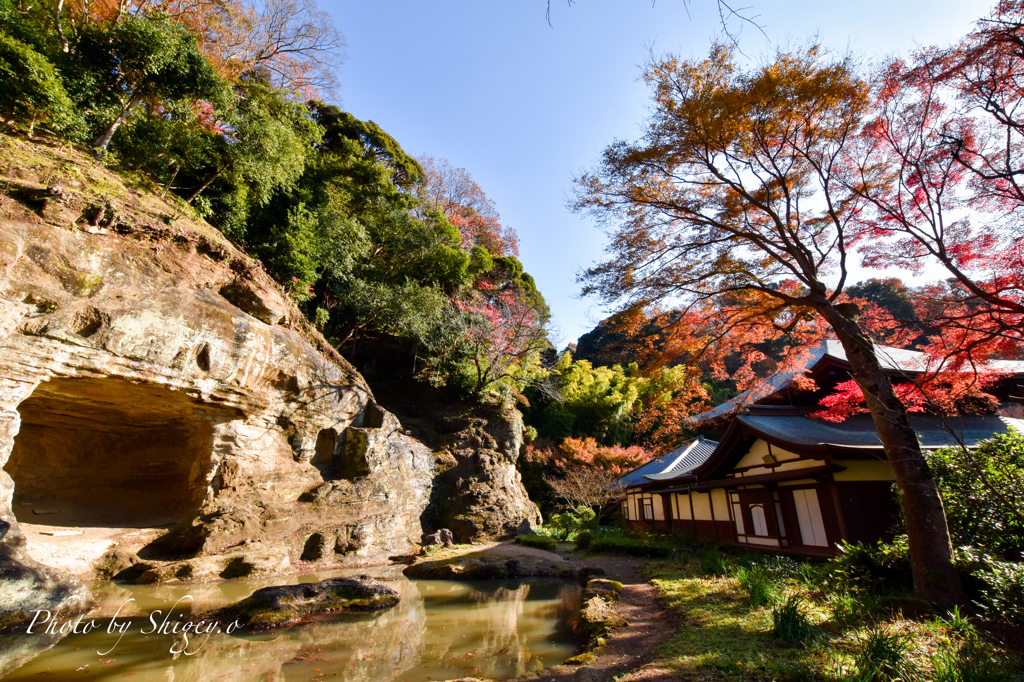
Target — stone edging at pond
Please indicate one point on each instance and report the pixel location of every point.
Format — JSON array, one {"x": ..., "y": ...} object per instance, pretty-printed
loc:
[{"x": 497, "y": 561}]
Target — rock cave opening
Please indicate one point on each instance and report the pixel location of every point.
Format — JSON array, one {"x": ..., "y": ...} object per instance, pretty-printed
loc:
[
  {"x": 325, "y": 451},
  {"x": 97, "y": 460}
]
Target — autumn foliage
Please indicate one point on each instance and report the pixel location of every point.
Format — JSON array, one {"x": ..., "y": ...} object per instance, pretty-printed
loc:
[
  {"x": 938, "y": 164},
  {"x": 454, "y": 192},
  {"x": 503, "y": 332},
  {"x": 291, "y": 43},
  {"x": 586, "y": 451},
  {"x": 743, "y": 203}
]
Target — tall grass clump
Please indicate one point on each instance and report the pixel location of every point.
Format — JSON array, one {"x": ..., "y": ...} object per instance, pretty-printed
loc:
[
  {"x": 846, "y": 608},
  {"x": 885, "y": 657},
  {"x": 713, "y": 563},
  {"x": 757, "y": 581},
  {"x": 789, "y": 621},
  {"x": 966, "y": 657}
]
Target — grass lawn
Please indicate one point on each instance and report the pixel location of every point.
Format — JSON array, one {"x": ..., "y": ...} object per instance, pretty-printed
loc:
[{"x": 850, "y": 637}]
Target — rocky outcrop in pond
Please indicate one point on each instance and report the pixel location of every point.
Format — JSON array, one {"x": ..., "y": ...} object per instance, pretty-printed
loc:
[
  {"x": 275, "y": 607},
  {"x": 154, "y": 377}
]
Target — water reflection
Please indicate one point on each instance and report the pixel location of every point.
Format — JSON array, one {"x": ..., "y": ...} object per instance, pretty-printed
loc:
[{"x": 439, "y": 630}]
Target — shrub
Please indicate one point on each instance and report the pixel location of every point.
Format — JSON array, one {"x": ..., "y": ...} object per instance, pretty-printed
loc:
[
  {"x": 874, "y": 568},
  {"x": 583, "y": 539},
  {"x": 967, "y": 480},
  {"x": 789, "y": 622},
  {"x": 885, "y": 657},
  {"x": 567, "y": 525},
  {"x": 1002, "y": 592},
  {"x": 630, "y": 547},
  {"x": 713, "y": 562},
  {"x": 757, "y": 581},
  {"x": 31, "y": 90},
  {"x": 537, "y": 541}
]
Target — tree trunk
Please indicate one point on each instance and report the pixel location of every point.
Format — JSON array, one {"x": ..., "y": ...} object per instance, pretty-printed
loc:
[
  {"x": 60, "y": 27},
  {"x": 209, "y": 182},
  {"x": 931, "y": 552},
  {"x": 101, "y": 142},
  {"x": 177, "y": 167}
]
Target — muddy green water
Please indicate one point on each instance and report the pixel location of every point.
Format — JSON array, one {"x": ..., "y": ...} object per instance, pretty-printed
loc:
[{"x": 440, "y": 630}]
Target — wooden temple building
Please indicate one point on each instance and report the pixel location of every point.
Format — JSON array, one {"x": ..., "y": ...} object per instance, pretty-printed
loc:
[{"x": 779, "y": 479}]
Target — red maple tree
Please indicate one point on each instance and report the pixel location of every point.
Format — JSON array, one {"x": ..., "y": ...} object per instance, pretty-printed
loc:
[
  {"x": 940, "y": 165},
  {"x": 502, "y": 331}
]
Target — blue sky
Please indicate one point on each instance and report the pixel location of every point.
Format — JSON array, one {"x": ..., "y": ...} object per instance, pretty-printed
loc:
[{"x": 524, "y": 106}]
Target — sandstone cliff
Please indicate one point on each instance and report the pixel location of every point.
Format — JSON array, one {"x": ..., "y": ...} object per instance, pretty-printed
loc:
[{"x": 153, "y": 377}]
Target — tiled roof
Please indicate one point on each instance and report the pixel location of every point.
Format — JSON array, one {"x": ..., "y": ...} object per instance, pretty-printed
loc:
[
  {"x": 690, "y": 457},
  {"x": 675, "y": 463},
  {"x": 636, "y": 476},
  {"x": 859, "y": 431}
]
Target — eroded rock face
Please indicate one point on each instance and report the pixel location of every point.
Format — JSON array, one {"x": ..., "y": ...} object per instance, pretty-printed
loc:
[
  {"x": 151, "y": 376},
  {"x": 480, "y": 496}
]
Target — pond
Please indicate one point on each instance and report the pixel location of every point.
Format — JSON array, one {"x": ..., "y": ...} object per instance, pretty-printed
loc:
[{"x": 440, "y": 630}]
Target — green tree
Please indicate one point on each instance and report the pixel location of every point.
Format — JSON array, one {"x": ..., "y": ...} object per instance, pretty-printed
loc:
[
  {"x": 140, "y": 59},
  {"x": 265, "y": 143},
  {"x": 891, "y": 294},
  {"x": 351, "y": 239},
  {"x": 341, "y": 126},
  {"x": 592, "y": 402}
]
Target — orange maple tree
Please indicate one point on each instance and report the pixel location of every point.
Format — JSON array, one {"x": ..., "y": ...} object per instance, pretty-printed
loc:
[{"x": 736, "y": 203}]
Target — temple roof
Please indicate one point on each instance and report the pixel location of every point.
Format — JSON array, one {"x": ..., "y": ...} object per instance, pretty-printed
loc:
[
  {"x": 679, "y": 462},
  {"x": 858, "y": 432},
  {"x": 689, "y": 458},
  {"x": 830, "y": 351}
]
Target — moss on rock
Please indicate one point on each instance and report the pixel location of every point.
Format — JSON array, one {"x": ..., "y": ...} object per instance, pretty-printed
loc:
[
  {"x": 598, "y": 618},
  {"x": 602, "y": 587},
  {"x": 484, "y": 565}
]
